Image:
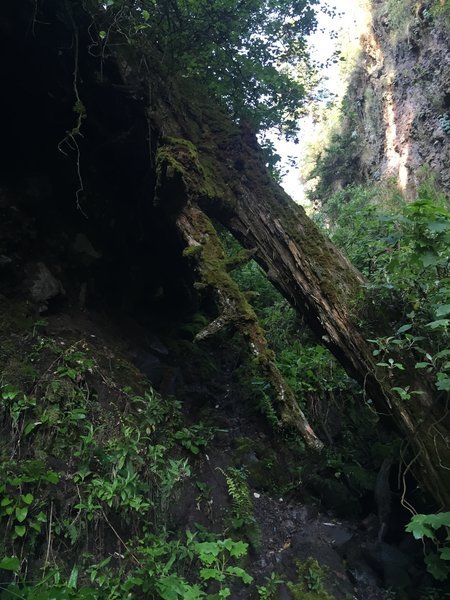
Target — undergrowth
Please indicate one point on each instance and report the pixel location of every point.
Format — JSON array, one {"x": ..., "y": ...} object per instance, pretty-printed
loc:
[
  {"x": 92, "y": 460},
  {"x": 402, "y": 248}
]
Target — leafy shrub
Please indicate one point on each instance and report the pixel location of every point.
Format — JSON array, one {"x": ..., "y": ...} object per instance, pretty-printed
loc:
[{"x": 434, "y": 528}]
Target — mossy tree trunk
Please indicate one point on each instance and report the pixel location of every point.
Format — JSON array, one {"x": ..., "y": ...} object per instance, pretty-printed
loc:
[
  {"x": 178, "y": 168},
  {"x": 223, "y": 167}
]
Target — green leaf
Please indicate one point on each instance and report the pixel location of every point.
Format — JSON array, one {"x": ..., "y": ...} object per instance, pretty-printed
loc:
[
  {"x": 443, "y": 384},
  {"x": 441, "y": 519},
  {"x": 73, "y": 579},
  {"x": 419, "y": 527},
  {"x": 429, "y": 259},
  {"x": 207, "y": 548},
  {"x": 9, "y": 392},
  {"x": 445, "y": 553},
  {"x": 6, "y": 501},
  {"x": 102, "y": 35},
  {"x": 145, "y": 15},
  {"x": 422, "y": 365},
  {"x": 442, "y": 310},
  {"x": 30, "y": 426},
  {"x": 404, "y": 394},
  {"x": 215, "y": 574},
  {"x": 438, "y": 226},
  {"x": 21, "y": 513},
  {"x": 10, "y": 563},
  {"x": 438, "y": 323},
  {"x": 192, "y": 592},
  {"x": 239, "y": 549},
  {"x": 52, "y": 477},
  {"x": 20, "y": 530},
  {"x": 404, "y": 328},
  {"x": 27, "y": 498},
  {"x": 425, "y": 525},
  {"x": 171, "y": 587},
  {"x": 238, "y": 572}
]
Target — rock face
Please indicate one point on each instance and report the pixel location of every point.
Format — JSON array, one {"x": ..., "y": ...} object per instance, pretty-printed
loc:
[{"x": 400, "y": 91}]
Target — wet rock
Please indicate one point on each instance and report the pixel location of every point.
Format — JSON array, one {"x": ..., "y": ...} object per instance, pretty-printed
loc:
[
  {"x": 5, "y": 260},
  {"x": 157, "y": 347},
  {"x": 391, "y": 563},
  {"x": 288, "y": 525},
  {"x": 360, "y": 575},
  {"x": 44, "y": 286},
  {"x": 341, "y": 535}
]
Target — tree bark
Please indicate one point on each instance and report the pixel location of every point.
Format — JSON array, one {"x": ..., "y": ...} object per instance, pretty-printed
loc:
[
  {"x": 223, "y": 169},
  {"x": 204, "y": 250}
]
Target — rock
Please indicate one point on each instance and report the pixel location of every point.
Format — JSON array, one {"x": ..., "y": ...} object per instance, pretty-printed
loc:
[
  {"x": 288, "y": 525},
  {"x": 390, "y": 562},
  {"x": 359, "y": 574},
  {"x": 44, "y": 285},
  {"x": 5, "y": 260},
  {"x": 335, "y": 495},
  {"x": 340, "y": 536},
  {"x": 300, "y": 514}
]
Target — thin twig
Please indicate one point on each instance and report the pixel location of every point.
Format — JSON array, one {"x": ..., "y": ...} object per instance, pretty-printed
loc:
[
  {"x": 49, "y": 537},
  {"x": 120, "y": 539}
]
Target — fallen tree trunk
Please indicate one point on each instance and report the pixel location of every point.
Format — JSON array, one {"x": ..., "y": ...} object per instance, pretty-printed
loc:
[
  {"x": 223, "y": 173},
  {"x": 223, "y": 169},
  {"x": 204, "y": 247}
]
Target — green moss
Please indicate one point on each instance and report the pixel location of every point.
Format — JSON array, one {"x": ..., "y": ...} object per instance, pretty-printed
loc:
[
  {"x": 191, "y": 251},
  {"x": 239, "y": 259},
  {"x": 178, "y": 157},
  {"x": 16, "y": 371},
  {"x": 310, "y": 586}
]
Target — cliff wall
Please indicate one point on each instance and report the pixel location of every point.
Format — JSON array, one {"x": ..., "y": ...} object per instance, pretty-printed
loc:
[{"x": 396, "y": 113}]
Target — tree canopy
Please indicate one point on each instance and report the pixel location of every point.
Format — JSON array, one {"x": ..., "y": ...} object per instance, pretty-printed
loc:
[{"x": 251, "y": 54}]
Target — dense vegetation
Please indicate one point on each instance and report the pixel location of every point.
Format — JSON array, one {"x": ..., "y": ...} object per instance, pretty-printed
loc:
[{"x": 251, "y": 55}]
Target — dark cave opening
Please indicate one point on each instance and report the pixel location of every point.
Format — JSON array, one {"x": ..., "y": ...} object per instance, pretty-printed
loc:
[{"x": 134, "y": 257}]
